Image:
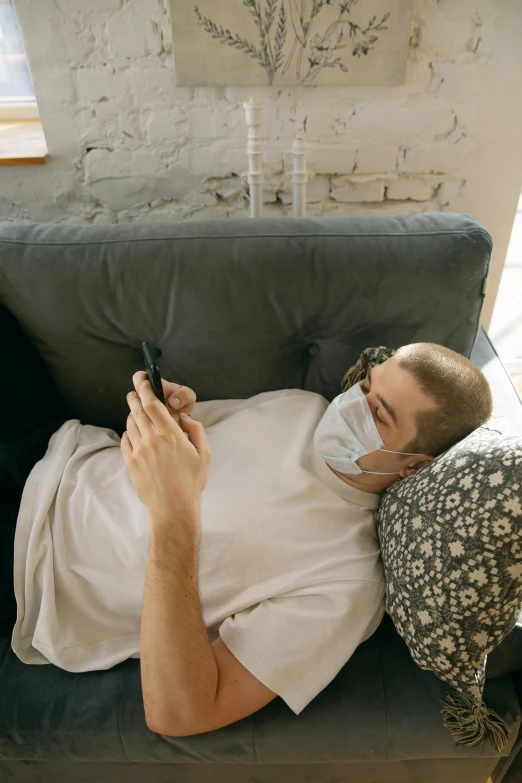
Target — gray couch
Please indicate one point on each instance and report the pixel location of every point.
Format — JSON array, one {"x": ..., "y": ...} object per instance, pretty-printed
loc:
[{"x": 240, "y": 307}]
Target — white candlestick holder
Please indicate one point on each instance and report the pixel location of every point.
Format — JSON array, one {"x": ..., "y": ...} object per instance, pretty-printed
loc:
[
  {"x": 299, "y": 173},
  {"x": 254, "y": 120}
]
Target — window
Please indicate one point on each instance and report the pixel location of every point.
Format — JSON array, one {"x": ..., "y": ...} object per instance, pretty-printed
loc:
[
  {"x": 17, "y": 98},
  {"x": 505, "y": 329}
]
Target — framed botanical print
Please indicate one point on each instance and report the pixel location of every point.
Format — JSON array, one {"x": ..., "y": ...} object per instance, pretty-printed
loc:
[{"x": 291, "y": 42}]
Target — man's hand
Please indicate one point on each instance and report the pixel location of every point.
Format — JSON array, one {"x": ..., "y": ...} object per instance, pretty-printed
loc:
[
  {"x": 168, "y": 470},
  {"x": 172, "y": 392}
]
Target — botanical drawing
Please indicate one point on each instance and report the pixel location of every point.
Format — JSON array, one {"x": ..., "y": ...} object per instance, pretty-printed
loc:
[{"x": 314, "y": 46}]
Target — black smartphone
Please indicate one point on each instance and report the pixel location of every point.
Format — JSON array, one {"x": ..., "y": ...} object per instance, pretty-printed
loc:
[{"x": 150, "y": 355}]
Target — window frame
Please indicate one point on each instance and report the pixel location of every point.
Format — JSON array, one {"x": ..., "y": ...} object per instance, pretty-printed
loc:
[
  {"x": 18, "y": 110},
  {"x": 19, "y": 107}
]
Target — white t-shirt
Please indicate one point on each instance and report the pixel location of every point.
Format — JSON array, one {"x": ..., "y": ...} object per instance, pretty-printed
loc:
[{"x": 290, "y": 574}]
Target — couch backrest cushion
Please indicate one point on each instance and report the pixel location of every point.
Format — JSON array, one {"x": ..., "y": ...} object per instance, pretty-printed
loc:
[{"x": 240, "y": 306}]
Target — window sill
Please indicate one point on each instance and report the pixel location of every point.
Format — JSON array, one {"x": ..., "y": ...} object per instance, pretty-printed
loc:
[{"x": 22, "y": 143}]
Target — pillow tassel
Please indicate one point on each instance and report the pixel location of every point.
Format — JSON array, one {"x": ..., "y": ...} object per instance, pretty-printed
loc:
[{"x": 473, "y": 724}]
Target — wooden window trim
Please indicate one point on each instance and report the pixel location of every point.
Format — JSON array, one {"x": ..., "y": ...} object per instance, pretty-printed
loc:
[{"x": 22, "y": 143}]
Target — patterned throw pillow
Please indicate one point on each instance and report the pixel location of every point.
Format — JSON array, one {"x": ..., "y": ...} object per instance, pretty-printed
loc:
[
  {"x": 451, "y": 545},
  {"x": 368, "y": 359}
]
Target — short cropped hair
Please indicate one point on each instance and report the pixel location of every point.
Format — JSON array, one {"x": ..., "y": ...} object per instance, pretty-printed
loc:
[{"x": 458, "y": 387}]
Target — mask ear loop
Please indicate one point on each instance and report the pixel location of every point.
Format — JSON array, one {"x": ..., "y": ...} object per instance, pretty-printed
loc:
[
  {"x": 410, "y": 453},
  {"x": 396, "y": 472},
  {"x": 380, "y": 473}
]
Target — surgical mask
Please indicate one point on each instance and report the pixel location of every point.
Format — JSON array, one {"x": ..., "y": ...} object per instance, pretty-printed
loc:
[{"x": 347, "y": 431}]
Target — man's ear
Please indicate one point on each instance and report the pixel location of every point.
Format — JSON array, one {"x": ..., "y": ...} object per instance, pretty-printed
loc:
[{"x": 413, "y": 467}]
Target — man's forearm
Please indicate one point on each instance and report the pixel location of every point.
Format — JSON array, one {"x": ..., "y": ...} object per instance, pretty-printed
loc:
[{"x": 179, "y": 671}]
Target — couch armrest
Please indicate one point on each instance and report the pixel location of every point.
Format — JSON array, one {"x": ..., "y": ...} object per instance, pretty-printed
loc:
[
  {"x": 506, "y": 400},
  {"x": 509, "y": 768}
]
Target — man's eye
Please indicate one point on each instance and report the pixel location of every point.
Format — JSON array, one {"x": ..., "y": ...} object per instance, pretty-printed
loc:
[{"x": 382, "y": 422}]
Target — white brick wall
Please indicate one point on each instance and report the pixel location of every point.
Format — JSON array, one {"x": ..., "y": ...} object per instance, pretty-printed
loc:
[
  {"x": 101, "y": 83},
  {"x": 427, "y": 158},
  {"x": 327, "y": 158},
  {"x": 357, "y": 189},
  {"x": 126, "y": 144},
  {"x": 409, "y": 189},
  {"x": 374, "y": 160}
]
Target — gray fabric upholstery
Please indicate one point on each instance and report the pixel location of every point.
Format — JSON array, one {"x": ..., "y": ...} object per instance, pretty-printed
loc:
[
  {"x": 458, "y": 770},
  {"x": 239, "y": 307},
  {"x": 507, "y": 657},
  {"x": 380, "y": 707}
]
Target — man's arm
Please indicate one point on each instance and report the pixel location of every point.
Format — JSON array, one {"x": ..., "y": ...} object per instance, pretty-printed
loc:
[
  {"x": 189, "y": 686},
  {"x": 178, "y": 668},
  {"x": 180, "y": 673}
]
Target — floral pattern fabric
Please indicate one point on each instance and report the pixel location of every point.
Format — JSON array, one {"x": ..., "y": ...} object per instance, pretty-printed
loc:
[{"x": 451, "y": 545}]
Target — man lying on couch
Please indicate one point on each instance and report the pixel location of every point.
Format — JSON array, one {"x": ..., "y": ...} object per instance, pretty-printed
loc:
[{"x": 254, "y": 519}]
